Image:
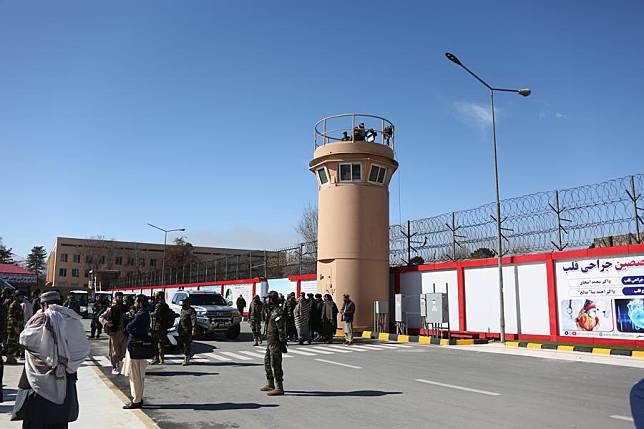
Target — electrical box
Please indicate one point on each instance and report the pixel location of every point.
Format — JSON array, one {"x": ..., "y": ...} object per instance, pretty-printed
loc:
[
  {"x": 423, "y": 305},
  {"x": 398, "y": 300},
  {"x": 381, "y": 307},
  {"x": 436, "y": 308}
]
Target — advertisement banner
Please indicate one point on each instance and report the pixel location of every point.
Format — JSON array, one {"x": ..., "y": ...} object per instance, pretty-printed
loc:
[
  {"x": 309, "y": 286},
  {"x": 602, "y": 298},
  {"x": 232, "y": 292}
]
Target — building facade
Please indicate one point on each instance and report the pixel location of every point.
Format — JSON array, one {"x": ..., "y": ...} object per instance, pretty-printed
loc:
[{"x": 72, "y": 261}]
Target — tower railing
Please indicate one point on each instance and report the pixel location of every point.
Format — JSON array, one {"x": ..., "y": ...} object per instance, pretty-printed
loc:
[{"x": 354, "y": 127}]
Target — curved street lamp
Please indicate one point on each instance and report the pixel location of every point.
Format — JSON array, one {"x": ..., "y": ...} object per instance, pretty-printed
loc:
[{"x": 524, "y": 92}]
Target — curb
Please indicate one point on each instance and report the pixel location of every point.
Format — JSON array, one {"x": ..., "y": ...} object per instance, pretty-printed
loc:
[
  {"x": 140, "y": 414},
  {"x": 420, "y": 339},
  {"x": 576, "y": 348}
]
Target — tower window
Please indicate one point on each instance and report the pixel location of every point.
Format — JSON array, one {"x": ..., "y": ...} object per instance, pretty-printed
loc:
[
  {"x": 323, "y": 176},
  {"x": 377, "y": 174},
  {"x": 350, "y": 172}
]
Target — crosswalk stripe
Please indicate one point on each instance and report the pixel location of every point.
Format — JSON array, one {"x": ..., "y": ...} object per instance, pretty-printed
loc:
[
  {"x": 321, "y": 350},
  {"x": 217, "y": 357},
  {"x": 257, "y": 355},
  {"x": 372, "y": 347},
  {"x": 361, "y": 348},
  {"x": 300, "y": 352},
  {"x": 235, "y": 355},
  {"x": 103, "y": 361},
  {"x": 339, "y": 349},
  {"x": 397, "y": 346}
]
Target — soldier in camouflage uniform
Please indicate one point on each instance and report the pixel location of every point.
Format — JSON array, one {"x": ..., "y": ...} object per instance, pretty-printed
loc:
[
  {"x": 187, "y": 328},
  {"x": 159, "y": 330},
  {"x": 15, "y": 325},
  {"x": 276, "y": 338},
  {"x": 255, "y": 316},
  {"x": 7, "y": 299}
]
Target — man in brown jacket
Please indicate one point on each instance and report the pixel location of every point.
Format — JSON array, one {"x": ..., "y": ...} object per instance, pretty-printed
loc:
[{"x": 348, "y": 310}]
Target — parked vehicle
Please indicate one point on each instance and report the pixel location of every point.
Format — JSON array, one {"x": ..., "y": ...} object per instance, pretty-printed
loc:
[
  {"x": 214, "y": 314},
  {"x": 82, "y": 298}
]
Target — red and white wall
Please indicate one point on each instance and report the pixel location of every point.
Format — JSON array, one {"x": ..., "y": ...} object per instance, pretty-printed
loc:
[
  {"x": 544, "y": 295},
  {"x": 231, "y": 289}
]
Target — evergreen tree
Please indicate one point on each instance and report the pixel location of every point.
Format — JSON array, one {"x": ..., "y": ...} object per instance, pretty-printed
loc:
[
  {"x": 36, "y": 262},
  {"x": 5, "y": 254}
]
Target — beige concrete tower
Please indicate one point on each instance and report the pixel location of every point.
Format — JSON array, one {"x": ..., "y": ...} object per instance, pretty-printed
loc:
[{"x": 353, "y": 161}]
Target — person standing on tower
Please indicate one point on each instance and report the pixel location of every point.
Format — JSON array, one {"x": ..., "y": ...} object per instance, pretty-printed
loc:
[{"x": 276, "y": 338}]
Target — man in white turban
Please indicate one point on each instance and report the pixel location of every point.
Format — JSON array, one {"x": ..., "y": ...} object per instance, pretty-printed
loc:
[{"x": 55, "y": 346}]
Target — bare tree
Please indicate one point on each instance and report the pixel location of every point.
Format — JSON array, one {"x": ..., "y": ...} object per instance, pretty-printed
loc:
[{"x": 307, "y": 227}]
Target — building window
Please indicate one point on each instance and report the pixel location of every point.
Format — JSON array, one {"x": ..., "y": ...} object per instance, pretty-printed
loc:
[
  {"x": 130, "y": 260},
  {"x": 323, "y": 175},
  {"x": 86, "y": 273},
  {"x": 350, "y": 172},
  {"x": 63, "y": 257},
  {"x": 76, "y": 259},
  {"x": 377, "y": 174},
  {"x": 62, "y": 272},
  {"x": 118, "y": 260},
  {"x": 102, "y": 260},
  {"x": 141, "y": 262},
  {"x": 88, "y": 259},
  {"x": 153, "y": 262},
  {"x": 75, "y": 272}
]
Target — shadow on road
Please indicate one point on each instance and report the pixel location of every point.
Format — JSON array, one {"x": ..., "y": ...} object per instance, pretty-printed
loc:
[
  {"x": 366, "y": 393},
  {"x": 210, "y": 407},
  {"x": 171, "y": 373}
]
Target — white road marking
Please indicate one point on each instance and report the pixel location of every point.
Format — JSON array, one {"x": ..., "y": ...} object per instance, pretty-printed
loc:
[
  {"x": 399, "y": 346},
  {"x": 616, "y": 417},
  {"x": 235, "y": 356},
  {"x": 257, "y": 355},
  {"x": 321, "y": 350},
  {"x": 103, "y": 361},
  {"x": 372, "y": 347},
  {"x": 338, "y": 363},
  {"x": 339, "y": 349},
  {"x": 363, "y": 348},
  {"x": 452, "y": 386},
  {"x": 217, "y": 357},
  {"x": 300, "y": 352}
]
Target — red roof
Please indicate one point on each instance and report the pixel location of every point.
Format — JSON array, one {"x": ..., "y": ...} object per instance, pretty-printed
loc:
[{"x": 13, "y": 269}]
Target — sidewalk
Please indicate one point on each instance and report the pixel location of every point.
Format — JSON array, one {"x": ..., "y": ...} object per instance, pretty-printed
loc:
[{"x": 100, "y": 402}]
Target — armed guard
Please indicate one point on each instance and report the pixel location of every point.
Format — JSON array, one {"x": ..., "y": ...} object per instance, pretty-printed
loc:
[
  {"x": 160, "y": 320},
  {"x": 96, "y": 329},
  {"x": 255, "y": 316},
  {"x": 187, "y": 328},
  {"x": 276, "y": 339},
  {"x": 15, "y": 325}
]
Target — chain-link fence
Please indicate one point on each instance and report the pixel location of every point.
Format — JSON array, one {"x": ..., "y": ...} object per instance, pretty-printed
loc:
[
  {"x": 599, "y": 215},
  {"x": 281, "y": 263}
]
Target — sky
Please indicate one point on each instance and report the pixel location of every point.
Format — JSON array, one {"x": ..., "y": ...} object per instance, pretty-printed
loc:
[{"x": 200, "y": 114}]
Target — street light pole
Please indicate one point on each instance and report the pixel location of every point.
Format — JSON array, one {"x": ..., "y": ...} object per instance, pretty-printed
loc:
[
  {"x": 499, "y": 235},
  {"x": 165, "y": 242}
]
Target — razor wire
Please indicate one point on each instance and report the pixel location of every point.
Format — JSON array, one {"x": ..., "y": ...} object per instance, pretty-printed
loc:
[{"x": 599, "y": 215}]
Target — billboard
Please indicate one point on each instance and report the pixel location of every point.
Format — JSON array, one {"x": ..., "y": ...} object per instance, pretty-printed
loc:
[
  {"x": 232, "y": 292},
  {"x": 602, "y": 298}
]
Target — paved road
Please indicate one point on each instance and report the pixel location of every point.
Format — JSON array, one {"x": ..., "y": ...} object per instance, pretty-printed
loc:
[{"x": 383, "y": 386}]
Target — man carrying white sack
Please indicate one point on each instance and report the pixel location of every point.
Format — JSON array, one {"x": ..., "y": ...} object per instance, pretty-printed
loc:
[{"x": 55, "y": 347}]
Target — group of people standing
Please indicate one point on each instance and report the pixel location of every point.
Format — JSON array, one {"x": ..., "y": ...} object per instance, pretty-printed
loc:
[{"x": 307, "y": 319}]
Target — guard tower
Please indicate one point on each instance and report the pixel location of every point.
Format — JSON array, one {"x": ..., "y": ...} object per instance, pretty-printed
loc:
[{"x": 353, "y": 161}]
